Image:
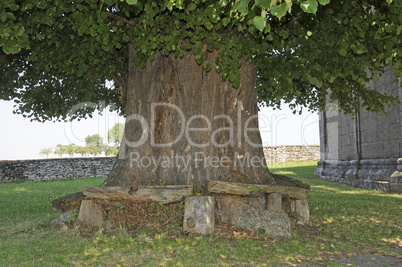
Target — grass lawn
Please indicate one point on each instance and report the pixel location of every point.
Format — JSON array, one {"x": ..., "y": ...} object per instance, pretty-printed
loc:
[{"x": 345, "y": 221}]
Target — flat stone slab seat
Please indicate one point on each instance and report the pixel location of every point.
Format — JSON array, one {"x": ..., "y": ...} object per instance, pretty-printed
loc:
[
  {"x": 284, "y": 185},
  {"x": 162, "y": 194}
]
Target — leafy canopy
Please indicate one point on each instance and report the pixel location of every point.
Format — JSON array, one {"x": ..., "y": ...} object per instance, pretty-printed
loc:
[{"x": 56, "y": 54}]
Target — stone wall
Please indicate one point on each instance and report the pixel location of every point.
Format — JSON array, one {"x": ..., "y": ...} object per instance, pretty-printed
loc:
[
  {"x": 70, "y": 168},
  {"x": 54, "y": 169},
  {"x": 364, "y": 150},
  {"x": 292, "y": 153}
]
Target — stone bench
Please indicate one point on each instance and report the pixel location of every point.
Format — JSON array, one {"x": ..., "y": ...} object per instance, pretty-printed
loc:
[{"x": 251, "y": 206}]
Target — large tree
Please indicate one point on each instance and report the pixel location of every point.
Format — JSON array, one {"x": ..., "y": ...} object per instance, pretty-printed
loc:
[{"x": 189, "y": 74}]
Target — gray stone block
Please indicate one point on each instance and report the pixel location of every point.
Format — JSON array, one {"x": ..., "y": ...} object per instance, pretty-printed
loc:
[
  {"x": 300, "y": 207},
  {"x": 274, "y": 202},
  {"x": 199, "y": 215},
  {"x": 90, "y": 214},
  {"x": 237, "y": 210},
  {"x": 275, "y": 223}
]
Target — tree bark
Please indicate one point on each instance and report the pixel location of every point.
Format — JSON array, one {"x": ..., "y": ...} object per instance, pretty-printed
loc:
[{"x": 165, "y": 104}]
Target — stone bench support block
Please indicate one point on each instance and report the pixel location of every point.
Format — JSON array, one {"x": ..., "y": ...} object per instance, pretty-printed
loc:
[
  {"x": 274, "y": 202},
  {"x": 199, "y": 215},
  {"x": 300, "y": 207},
  {"x": 241, "y": 212},
  {"x": 90, "y": 214}
]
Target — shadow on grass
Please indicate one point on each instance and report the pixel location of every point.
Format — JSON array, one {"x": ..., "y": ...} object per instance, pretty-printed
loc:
[{"x": 348, "y": 216}]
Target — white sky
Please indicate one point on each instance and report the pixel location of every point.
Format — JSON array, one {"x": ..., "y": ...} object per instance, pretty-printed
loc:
[{"x": 22, "y": 139}]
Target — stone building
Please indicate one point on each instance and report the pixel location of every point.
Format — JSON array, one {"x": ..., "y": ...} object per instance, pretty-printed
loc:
[{"x": 366, "y": 150}]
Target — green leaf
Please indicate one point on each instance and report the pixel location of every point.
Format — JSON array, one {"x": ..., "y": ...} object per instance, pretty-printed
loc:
[
  {"x": 233, "y": 75},
  {"x": 243, "y": 7},
  {"x": 41, "y": 4},
  {"x": 289, "y": 4},
  {"x": 236, "y": 83},
  {"x": 179, "y": 4},
  {"x": 315, "y": 81},
  {"x": 170, "y": 6},
  {"x": 199, "y": 59},
  {"x": 360, "y": 49},
  {"x": 10, "y": 16},
  {"x": 270, "y": 37},
  {"x": 332, "y": 79},
  {"x": 132, "y": 2},
  {"x": 225, "y": 21},
  {"x": 342, "y": 52},
  {"x": 309, "y": 6},
  {"x": 208, "y": 25},
  {"x": 263, "y": 3},
  {"x": 11, "y": 47},
  {"x": 126, "y": 38},
  {"x": 214, "y": 17},
  {"x": 279, "y": 10},
  {"x": 92, "y": 32},
  {"x": 207, "y": 65},
  {"x": 324, "y": 2},
  {"x": 3, "y": 16},
  {"x": 191, "y": 6},
  {"x": 259, "y": 23}
]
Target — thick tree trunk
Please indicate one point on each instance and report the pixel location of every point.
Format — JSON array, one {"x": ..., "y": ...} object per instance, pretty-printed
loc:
[{"x": 186, "y": 126}]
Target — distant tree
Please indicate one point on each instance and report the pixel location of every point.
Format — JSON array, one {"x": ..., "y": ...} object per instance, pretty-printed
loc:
[
  {"x": 94, "y": 144},
  {"x": 94, "y": 150},
  {"x": 71, "y": 149},
  {"x": 115, "y": 134},
  {"x": 111, "y": 151},
  {"x": 60, "y": 150},
  {"x": 94, "y": 140},
  {"x": 81, "y": 150},
  {"x": 46, "y": 151}
]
